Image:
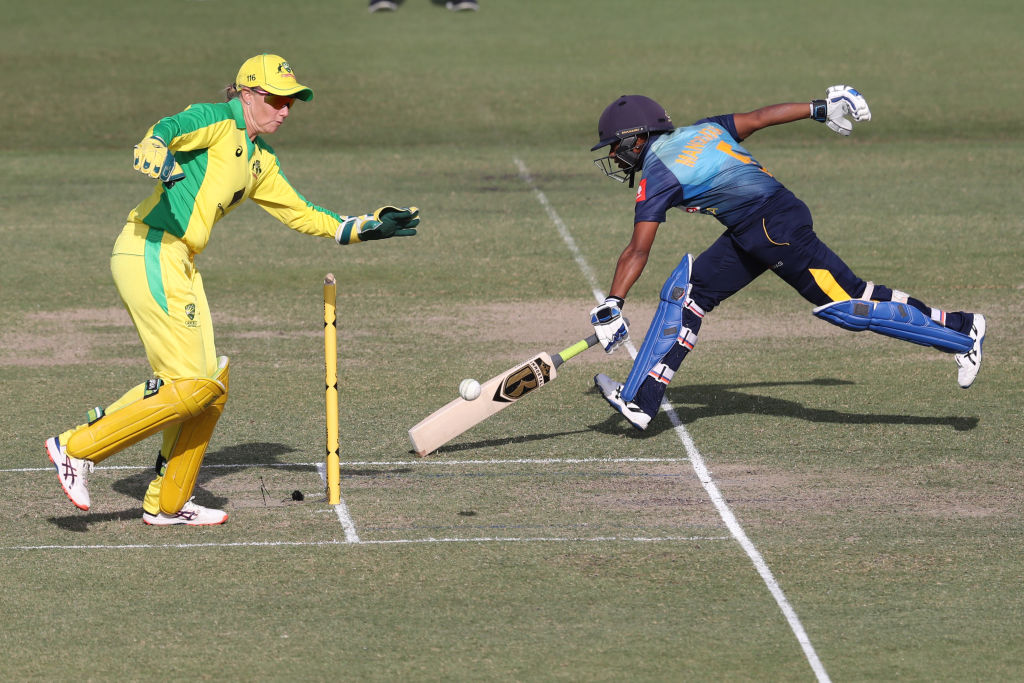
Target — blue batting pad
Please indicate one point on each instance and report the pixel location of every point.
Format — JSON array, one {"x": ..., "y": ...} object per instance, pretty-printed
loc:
[
  {"x": 897, "y": 320},
  {"x": 664, "y": 329}
]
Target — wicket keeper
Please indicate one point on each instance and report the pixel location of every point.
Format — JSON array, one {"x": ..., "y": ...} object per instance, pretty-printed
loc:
[
  {"x": 704, "y": 168},
  {"x": 207, "y": 160}
]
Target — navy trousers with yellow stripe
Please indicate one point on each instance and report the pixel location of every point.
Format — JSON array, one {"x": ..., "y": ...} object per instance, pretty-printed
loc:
[{"x": 782, "y": 240}]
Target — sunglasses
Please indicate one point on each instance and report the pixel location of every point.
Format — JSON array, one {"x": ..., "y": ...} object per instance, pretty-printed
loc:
[{"x": 275, "y": 101}]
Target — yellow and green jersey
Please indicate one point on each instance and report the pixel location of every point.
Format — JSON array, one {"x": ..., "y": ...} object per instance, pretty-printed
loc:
[{"x": 222, "y": 168}]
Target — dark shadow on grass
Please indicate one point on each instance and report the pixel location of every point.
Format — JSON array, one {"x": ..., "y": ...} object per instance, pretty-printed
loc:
[
  {"x": 699, "y": 402},
  {"x": 256, "y": 454},
  {"x": 80, "y": 523},
  {"x": 448, "y": 449},
  {"x": 135, "y": 484}
]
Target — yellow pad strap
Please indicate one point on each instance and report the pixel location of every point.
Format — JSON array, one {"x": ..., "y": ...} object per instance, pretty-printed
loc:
[
  {"x": 186, "y": 455},
  {"x": 175, "y": 402}
]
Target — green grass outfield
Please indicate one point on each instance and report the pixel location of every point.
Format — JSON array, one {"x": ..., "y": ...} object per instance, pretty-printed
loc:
[{"x": 550, "y": 542}]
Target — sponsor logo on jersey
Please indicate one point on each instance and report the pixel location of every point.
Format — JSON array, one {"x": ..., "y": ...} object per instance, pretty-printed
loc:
[{"x": 641, "y": 191}]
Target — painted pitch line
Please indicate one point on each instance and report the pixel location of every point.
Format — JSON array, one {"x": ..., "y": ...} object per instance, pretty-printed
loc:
[
  {"x": 383, "y": 463},
  {"x": 563, "y": 230},
  {"x": 397, "y": 541},
  {"x": 543, "y": 539},
  {"x": 341, "y": 509},
  {"x": 695, "y": 456}
]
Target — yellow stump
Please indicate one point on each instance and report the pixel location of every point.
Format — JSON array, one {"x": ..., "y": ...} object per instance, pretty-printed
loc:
[{"x": 331, "y": 388}]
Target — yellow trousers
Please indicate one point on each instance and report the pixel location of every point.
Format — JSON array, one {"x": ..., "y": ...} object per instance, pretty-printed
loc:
[{"x": 163, "y": 292}]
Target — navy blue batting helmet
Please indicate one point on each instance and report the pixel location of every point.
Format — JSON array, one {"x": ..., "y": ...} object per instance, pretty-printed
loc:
[{"x": 631, "y": 115}]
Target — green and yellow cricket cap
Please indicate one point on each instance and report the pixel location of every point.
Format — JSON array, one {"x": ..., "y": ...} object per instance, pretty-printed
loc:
[{"x": 273, "y": 74}]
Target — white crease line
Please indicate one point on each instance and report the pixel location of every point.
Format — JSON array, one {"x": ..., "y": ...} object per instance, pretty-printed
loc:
[
  {"x": 397, "y": 541},
  {"x": 341, "y": 509},
  {"x": 542, "y": 539},
  {"x": 696, "y": 459},
  {"x": 524, "y": 173},
  {"x": 383, "y": 463}
]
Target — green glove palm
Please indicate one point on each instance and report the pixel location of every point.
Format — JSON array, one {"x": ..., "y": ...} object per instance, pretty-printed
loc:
[
  {"x": 391, "y": 222},
  {"x": 387, "y": 221}
]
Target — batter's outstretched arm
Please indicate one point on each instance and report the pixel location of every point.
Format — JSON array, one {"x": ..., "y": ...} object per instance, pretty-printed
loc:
[
  {"x": 633, "y": 258},
  {"x": 772, "y": 115},
  {"x": 840, "y": 101}
]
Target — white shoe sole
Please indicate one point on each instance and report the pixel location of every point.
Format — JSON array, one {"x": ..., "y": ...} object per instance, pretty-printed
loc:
[
  {"x": 609, "y": 389},
  {"x": 168, "y": 520}
]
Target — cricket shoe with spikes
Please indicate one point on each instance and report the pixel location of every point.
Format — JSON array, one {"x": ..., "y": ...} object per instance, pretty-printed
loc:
[
  {"x": 190, "y": 513},
  {"x": 612, "y": 392},
  {"x": 970, "y": 362},
  {"x": 72, "y": 472}
]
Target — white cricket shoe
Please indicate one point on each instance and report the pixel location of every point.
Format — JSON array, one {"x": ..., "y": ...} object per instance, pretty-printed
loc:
[
  {"x": 970, "y": 362},
  {"x": 612, "y": 390},
  {"x": 190, "y": 513},
  {"x": 72, "y": 472}
]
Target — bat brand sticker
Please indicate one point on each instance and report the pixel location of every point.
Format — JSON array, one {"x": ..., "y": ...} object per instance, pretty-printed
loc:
[{"x": 523, "y": 380}]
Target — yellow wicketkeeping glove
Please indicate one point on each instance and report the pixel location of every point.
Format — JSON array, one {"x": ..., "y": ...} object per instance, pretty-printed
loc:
[{"x": 152, "y": 158}]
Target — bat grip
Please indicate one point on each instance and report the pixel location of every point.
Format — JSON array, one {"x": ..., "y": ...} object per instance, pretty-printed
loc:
[{"x": 576, "y": 349}]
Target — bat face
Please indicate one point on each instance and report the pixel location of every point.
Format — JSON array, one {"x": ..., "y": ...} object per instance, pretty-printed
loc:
[
  {"x": 524, "y": 379},
  {"x": 496, "y": 394}
]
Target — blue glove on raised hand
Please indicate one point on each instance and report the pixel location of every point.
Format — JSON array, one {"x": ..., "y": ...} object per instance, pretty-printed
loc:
[
  {"x": 841, "y": 101},
  {"x": 387, "y": 221},
  {"x": 611, "y": 328}
]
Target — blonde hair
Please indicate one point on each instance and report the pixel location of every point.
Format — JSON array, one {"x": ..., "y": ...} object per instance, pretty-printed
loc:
[{"x": 231, "y": 92}]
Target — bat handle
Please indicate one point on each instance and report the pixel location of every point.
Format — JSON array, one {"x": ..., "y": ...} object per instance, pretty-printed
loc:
[{"x": 576, "y": 349}]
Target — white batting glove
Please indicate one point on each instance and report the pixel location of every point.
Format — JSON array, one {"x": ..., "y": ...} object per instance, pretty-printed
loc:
[
  {"x": 841, "y": 101},
  {"x": 611, "y": 328}
]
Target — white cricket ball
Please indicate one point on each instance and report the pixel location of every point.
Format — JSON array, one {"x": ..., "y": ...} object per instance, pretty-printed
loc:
[{"x": 469, "y": 389}]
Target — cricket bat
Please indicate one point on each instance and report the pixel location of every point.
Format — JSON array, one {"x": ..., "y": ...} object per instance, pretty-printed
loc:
[{"x": 496, "y": 394}]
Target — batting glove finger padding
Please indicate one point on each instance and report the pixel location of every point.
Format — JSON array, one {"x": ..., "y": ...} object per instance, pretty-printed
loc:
[
  {"x": 841, "y": 101},
  {"x": 611, "y": 328}
]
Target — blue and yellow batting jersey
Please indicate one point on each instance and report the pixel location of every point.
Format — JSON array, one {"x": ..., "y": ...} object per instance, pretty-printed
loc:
[
  {"x": 703, "y": 168},
  {"x": 222, "y": 168}
]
